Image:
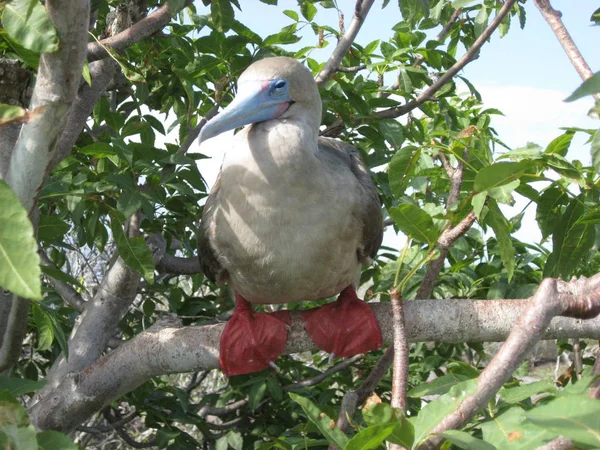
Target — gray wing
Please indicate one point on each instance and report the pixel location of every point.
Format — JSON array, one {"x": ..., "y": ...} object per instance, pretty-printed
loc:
[
  {"x": 369, "y": 208},
  {"x": 208, "y": 259}
]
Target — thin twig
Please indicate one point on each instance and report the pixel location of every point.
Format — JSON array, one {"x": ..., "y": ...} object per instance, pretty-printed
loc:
[
  {"x": 397, "y": 111},
  {"x": 400, "y": 368},
  {"x": 134, "y": 34},
  {"x": 553, "y": 17},
  {"x": 322, "y": 376},
  {"x": 66, "y": 292},
  {"x": 352, "y": 399},
  {"x": 361, "y": 9},
  {"x": 351, "y": 69},
  {"x": 578, "y": 298},
  {"x": 445, "y": 241}
]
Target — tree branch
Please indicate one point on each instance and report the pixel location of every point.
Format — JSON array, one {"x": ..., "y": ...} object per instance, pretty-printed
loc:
[
  {"x": 102, "y": 73},
  {"x": 361, "y": 9},
  {"x": 553, "y": 17},
  {"x": 391, "y": 113},
  {"x": 445, "y": 241},
  {"x": 134, "y": 34},
  {"x": 579, "y": 298},
  {"x": 400, "y": 370},
  {"x": 66, "y": 292},
  {"x": 97, "y": 324},
  {"x": 55, "y": 90},
  {"x": 167, "y": 347}
]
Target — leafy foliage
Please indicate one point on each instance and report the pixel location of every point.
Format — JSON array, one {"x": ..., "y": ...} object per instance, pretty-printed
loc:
[{"x": 128, "y": 163}]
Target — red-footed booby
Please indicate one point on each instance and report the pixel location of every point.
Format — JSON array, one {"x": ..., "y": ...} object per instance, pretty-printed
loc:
[{"x": 291, "y": 217}]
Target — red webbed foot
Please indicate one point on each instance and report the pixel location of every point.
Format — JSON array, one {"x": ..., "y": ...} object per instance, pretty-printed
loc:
[
  {"x": 345, "y": 327},
  {"x": 252, "y": 340}
]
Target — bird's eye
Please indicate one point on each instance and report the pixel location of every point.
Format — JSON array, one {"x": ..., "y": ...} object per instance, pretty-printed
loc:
[{"x": 279, "y": 85}]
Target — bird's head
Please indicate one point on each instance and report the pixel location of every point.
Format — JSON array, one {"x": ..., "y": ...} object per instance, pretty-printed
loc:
[{"x": 272, "y": 88}]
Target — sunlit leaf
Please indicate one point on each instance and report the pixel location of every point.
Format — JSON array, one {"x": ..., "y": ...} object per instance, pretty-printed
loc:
[
  {"x": 19, "y": 261},
  {"x": 415, "y": 222},
  {"x": 561, "y": 144},
  {"x": 28, "y": 23},
  {"x": 509, "y": 430},
  {"x": 222, "y": 14},
  {"x": 465, "y": 441},
  {"x": 588, "y": 87},
  {"x": 435, "y": 411},
  {"x": 575, "y": 416},
  {"x": 500, "y": 225},
  {"x": 526, "y": 390},
  {"x": 323, "y": 422},
  {"x": 499, "y": 174}
]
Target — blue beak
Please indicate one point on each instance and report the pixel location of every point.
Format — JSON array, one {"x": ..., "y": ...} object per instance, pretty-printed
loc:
[{"x": 255, "y": 102}]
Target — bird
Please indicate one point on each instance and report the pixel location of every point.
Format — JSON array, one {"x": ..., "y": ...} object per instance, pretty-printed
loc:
[{"x": 291, "y": 217}]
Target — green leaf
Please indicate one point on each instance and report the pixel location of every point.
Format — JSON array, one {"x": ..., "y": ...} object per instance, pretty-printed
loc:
[
  {"x": 51, "y": 227},
  {"x": 481, "y": 21},
  {"x": 129, "y": 202},
  {"x": 464, "y": 440},
  {"x": 19, "y": 261},
  {"x": 495, "y": 219},
  {"x": 256, "y": 394},
  {"x": 28, "y": 23},
  {"x": 403, "y": 434},
  {"x": 53, "y": 440},
  {"x": 222, "y": 14},
  {"x": 291, "y": 14},
  {"x": 10, "y": 113},
  {"x": 478, "y": 202},
  {"x": 400, "y": 167},
  {"x": 575, "y": 416},
  {"x": 520, "y": 393},
  {"x": 435, "y": 411},
  {"x": 308, "y": 10},
  {"x": 530, "y": 151},
  {"x": 370, "y": 437},
  {"x": 588, "y": 87},
  {"x": 235, "y": 440},
  {"x": 323, "y": 422},
  {"x": 60, "y": 275},
  {"x": 44, "y": 326},
  {"x": 509, "y": 430},
  {"x": 563, "y": 167},
  {"x": 98, "y": 150},
  {"x": 439, "y": 386},
  {"x": 377, "y": 413},
  {"x": 461, "y": 3},
  {"x": 596, "y": 151},
  {"x": 570, "y": 242},
  {"x": 392, "y": 132},
  {"x": 20, "y": 386},
  {"x": 561, "y": 144},
  {"x": 415, "y": 222},
  {"x": 548, "y": 210},
  {"x": 503, "y": 194},
  {"x": 134, "y": 252},
  {"x": 498, "y": 174},
  {"x": 11, "y": 411}
]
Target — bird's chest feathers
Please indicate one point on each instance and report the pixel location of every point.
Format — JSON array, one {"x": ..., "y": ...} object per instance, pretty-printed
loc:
[{"x": 279, "y": 210}]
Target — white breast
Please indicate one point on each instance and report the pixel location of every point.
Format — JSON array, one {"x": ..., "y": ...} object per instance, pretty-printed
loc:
[{"x": 286, "y": 228}]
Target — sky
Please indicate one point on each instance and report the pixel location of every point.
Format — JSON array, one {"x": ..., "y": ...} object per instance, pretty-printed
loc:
[{"x": 526, "y": 75}]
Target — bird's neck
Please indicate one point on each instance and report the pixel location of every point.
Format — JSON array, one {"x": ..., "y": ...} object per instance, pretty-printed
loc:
[{"x": 284, "y": 138}]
